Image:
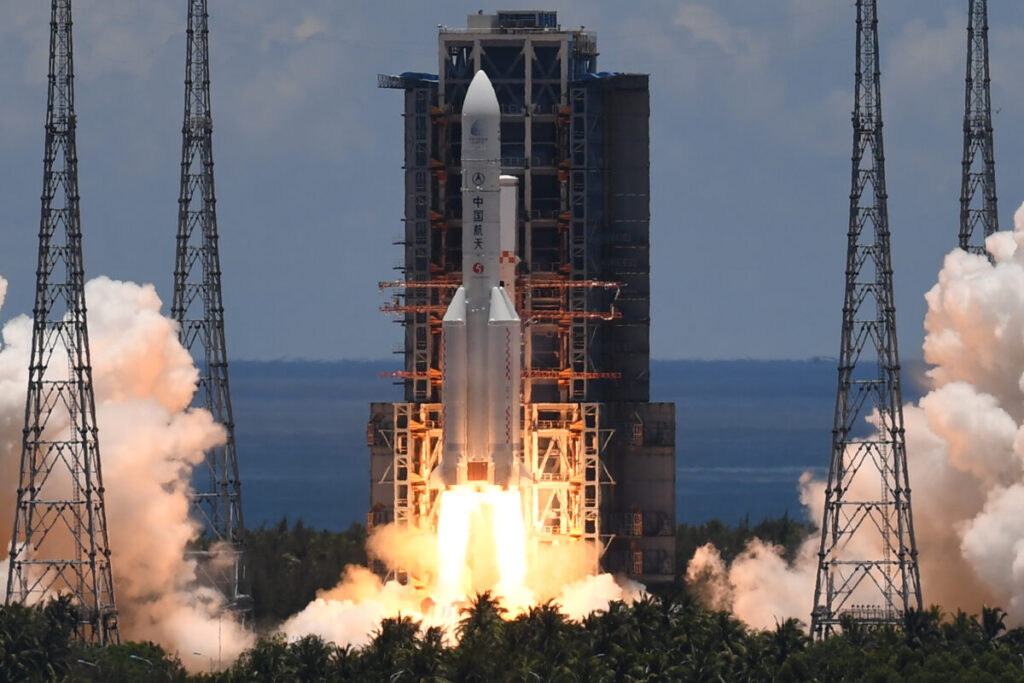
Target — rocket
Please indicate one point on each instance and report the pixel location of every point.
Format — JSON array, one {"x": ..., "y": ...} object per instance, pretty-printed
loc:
[{"x": 481, "y": 333}]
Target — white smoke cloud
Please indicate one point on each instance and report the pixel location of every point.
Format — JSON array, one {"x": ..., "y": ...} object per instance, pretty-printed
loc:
[
  {"x": 594, "y": 592},
  {"x": 707, "y": 577},
  {"x": 993, "y": 544},
  {"x": 149, "y": 442},
  {"x": 350, "y": 613},
  {"x": 965, "y": 446}
]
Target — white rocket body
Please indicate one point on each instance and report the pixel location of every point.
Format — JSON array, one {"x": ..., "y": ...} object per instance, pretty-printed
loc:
[{"x": 481, "y": 333}]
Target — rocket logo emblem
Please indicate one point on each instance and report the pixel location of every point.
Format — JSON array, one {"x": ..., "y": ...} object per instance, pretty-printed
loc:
[
  {"x": 475, "y": 129},
  {"x": 478, "y": 268},
  {"x": 478, "y": 178}
]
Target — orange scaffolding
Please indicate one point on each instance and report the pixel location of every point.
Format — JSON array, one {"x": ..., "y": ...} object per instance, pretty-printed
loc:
[{"x": 564, "y": 375}]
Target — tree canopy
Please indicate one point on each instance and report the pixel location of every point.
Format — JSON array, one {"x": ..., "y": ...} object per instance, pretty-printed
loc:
[{"x": 663, "y": 637}]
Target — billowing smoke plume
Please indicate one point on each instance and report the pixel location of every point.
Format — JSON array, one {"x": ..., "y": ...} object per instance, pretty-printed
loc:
[
  {"x": 349, "y": 613},
  {"x": 149, "y": 443},
  {"x": 965, "y": 444}
]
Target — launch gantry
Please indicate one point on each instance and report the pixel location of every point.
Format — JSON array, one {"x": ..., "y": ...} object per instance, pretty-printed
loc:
[
  {"x": 600, "y": 454},
  {"x": 561, "y": 454}
]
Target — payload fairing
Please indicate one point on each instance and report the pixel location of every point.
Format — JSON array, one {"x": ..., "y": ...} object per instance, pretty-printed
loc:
[{"x": 481, "y": 333}]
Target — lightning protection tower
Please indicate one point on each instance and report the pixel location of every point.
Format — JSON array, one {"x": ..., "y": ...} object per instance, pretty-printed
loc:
[
  {"x": 59, "y": 544},
  {"x": 978, "y": 207},
  {"x": 199, "y": 310},
  {"x": 867, "y": 562}
]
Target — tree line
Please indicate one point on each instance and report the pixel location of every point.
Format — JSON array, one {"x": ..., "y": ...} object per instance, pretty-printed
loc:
[
  {"x": 288, "y": 564},
  {"x": 666, "y": 636}
]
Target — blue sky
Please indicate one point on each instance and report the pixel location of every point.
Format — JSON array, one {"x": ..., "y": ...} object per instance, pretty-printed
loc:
[{"x": 750, "y": 156}]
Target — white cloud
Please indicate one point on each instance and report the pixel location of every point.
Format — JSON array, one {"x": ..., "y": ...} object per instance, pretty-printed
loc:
[
  {"x": 922, "y": 55},
  {"x": 309, "y": 28},
  {"x": 706, "y": 25},
  {"x": 750, "y": 104}
]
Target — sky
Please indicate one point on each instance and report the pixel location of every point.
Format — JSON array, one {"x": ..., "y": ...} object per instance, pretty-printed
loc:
[{"x": 750, "y": 157}]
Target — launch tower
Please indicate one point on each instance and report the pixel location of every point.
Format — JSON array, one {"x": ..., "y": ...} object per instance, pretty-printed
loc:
[
  {"x": 867, "y": 562},
  {"x": 198, "y": 307},
  {"x": 59, "y": 544},
  {"x": 601, "y": 456},
  {"x": 978, "y": 207}
]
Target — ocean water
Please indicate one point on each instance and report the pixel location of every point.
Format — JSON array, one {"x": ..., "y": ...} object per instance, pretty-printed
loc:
[{"x": 745, "y": 432}]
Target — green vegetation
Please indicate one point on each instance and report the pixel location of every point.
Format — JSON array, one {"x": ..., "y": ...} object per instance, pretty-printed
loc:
[
  {"x": 667, "y": 637},
  {"x": 288, "y": 565},
  {"x": 784, "y": 531},
  {"x": 36, "y": 645}
]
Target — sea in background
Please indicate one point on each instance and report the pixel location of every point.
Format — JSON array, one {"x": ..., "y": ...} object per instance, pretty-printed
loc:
[{"x": 745, "y": 432}]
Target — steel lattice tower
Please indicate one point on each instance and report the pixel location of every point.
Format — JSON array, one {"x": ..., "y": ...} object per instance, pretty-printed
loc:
[
  {"x": 867, "y": 563},
  {"x": 199, "y": 310},
  {"x": 59, "y": 543},
  {"x": 978, "y": 206}
]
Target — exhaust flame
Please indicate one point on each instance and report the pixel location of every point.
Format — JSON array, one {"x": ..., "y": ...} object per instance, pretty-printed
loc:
[
  {"x": 496, "y": 520},
  {"x": 452, "y": 539},
  {"x": 151, "y": 442},
  {"x": 482, "y": 544}
]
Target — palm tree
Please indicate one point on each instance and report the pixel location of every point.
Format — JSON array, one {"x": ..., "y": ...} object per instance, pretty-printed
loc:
[
  {"x": 393, "y": 647},
  {"x": 483, "y": 618},
  {"x": 268, "y": 660},
  {"x": 35, "y": 643},
  {"x": 921, "y": 626},
  {"x": 427, "y": 664},
  {"x": 789, "y": 637},
  {"x": 313, "y": 658},
  {"x": 481, "y": 654},
  {"x": 962, "y": 632},
  {"x": 346, "y": 664},
  {"x": 650, "y": 619},
  {"x": 992, "y": 625},
  {"x": 542, "y": 644}
]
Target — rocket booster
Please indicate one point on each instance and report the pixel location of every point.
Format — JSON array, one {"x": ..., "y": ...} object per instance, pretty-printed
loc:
[{"x": 481, "y": 334}]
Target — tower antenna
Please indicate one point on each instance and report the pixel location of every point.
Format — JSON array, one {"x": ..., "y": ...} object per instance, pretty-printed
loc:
[
  {"x": 867, "y": 561},
  {"x": 979, "y": 215},
  {"x": 59, "y": 544},
  {"x": 198, "y": 307}
]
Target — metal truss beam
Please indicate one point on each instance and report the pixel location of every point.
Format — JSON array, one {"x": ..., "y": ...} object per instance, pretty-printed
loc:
[
  {"x": 867, "y": 560},
  {"x": 979, "y": 216},
  {"x": 60, "y": 544},
  {"x": 198, "y": 307}
]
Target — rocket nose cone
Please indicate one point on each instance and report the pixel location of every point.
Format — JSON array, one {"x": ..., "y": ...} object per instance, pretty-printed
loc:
[{"x": 480, "y": 97}]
